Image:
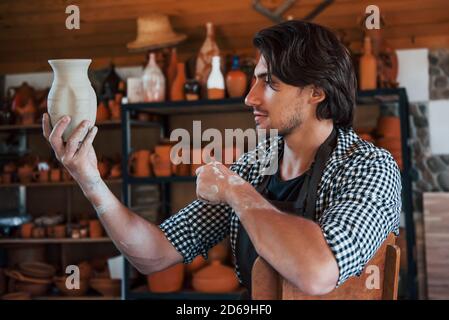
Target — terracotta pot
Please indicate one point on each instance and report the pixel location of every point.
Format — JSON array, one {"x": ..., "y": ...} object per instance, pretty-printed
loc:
[
  {"x": 26, "y": 230},
  {"x": 107, "y": 287},
  {"x": 41, "y": 176},
  {"x": 219, "y": 252},
  {"x": 141, "y": 163},
  {"x": 66, "y": 176},
  {"x": 160, "y": 161},
  {"x": 71, "y": 93},
  {"x": 27, "y": 113},
  {"x": 6, "y": 178},
  {"x": 171, "y": 70},
  {"x": 114, "y": 110},
  {"x": 25, "y": 173},
  {"x": 50, "y": 231},
  {"x": 367, "y": 68},
  {"x": 116, "y": 171},
  {"x": 35, "y": 269},
  {"x": 391, "y": 144},
  {"x": 182, "y": 169},
  {"x": 103, "y": 113},
  {"x": 389, "y": 126},
  {"x": 16, "y": 296},
  {"x": 95, "y": 228},
  {"x": 59, "y": 231},
  {"x": 168, "y": 280},
  {"x": 197, "y": 263},
  {"x": 55, "y": 175},
  {"x": 60, "y": 283},
  {"x": 38, "y": 232},
  {"x": 236, "y": 81},
  {"x": 215, "y": 278},
  {"x": 177, "y": 88}
]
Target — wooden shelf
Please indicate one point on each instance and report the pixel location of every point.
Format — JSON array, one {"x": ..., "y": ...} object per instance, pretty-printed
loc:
[
  {"x": 52, "y": 184},
  {"x": 190, "y": 107},
  {"x": 53, "y": 240}
]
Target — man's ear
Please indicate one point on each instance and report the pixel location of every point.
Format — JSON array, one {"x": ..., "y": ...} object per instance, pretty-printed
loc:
[{"x": 317, "y": 95}]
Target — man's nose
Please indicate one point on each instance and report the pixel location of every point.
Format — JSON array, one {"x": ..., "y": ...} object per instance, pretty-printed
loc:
[{"x": 253, "y": 99}]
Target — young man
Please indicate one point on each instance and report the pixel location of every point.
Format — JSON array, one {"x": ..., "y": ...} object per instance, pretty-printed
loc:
[{"x": 318, "y": 220}]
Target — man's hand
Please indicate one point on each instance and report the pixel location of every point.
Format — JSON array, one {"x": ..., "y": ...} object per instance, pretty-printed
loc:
[
  {"x": 214, "y": 182},
  {"x": 77, "y": 155}
]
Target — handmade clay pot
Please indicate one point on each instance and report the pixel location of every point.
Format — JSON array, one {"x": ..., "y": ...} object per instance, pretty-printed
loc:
[
  {"x": 116, "y": 171},
  {"x": 160, "y": 161},
  {"x": 168, "y": 280},
  {"x": 103, "y": 168},
  {"x": 59, "y": 231},
  {"x": 172, "y": 70},
  {"x": 114, "y": 109},
  {"x": 38, "y": 232},
  {"x": 141, "y": 163},
  {"x": 41, "y": 176},
  {"x": 215, "y": 278},
  {"x": 102, "y": 112},
  {"x": 153, "y": 81},
  {"x": 367, "y": 68},
  {"x": 36, "y": 269},
  {"x": 71, "y": 93},
  {"x": 26, "y": 230},
  {"x": 177, "y": 88},
  {"x": 95, "y": 228},
  {"x": 197, "y": 263},
  {"x": 219, "y": 252},
  {"x": 215, "y": 81},
  {"x": 27, "y": 113},
  {"x": 236, "y": 81},
  {"x": 25, "y": 173},
  {"x": 55, "y": 175},
  {"x": 204, "y": 59}
]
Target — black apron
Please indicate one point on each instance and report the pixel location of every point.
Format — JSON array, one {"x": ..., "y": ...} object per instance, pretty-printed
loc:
[{"x": 303, "y": 206}]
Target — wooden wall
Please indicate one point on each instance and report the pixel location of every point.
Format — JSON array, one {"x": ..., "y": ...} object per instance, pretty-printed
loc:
[{"x": 33, "y": 31}]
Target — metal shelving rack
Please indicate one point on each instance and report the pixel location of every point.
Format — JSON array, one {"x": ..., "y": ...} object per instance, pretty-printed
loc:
[{"x": 165, "y": 109}]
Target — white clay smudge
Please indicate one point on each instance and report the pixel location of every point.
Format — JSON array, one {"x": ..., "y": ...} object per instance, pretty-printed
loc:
[{"x": 235, "y": 180}]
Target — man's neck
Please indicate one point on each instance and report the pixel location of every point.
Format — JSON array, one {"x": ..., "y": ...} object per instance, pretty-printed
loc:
[{"x": 301, "y": 145}]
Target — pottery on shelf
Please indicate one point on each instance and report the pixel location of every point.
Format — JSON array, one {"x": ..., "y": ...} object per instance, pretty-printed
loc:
[
  {"x": 95, "y": 228},
  {"x": 114, "y": 109},
  {"x": 192, "y": 90},
  {"x": 177, "y": 87},
  {"x": 215, "y": 81},
  {"x": 367, "y": 67},
  {"x": 55, "y": 175},
  {"x": 71, "y": 93},
  {"x": 168, "y": 280},
  {"x": 219, "y": 252},
  {"x": 25, "y": 173},
  {"x": 215, "y": 278},
  {"x": 103, "y": 113},
  {"x": 59, "y": 231},
  {"x": 60, "y": 283},
  {"x": 160, "y": 160},
  {"x": 236, "y": 81},
  {"x": 26, "y": 229},
  {"x": 197, "y": 263},
  {"x": 204, "y": 59},
  {"x": 171, "y": 70},
  {"x": 140, "y": 161},
  {"x": 27, "y": 113},
  {"x": 389, "y": 126},
  {"x": 153, "y": 81}
]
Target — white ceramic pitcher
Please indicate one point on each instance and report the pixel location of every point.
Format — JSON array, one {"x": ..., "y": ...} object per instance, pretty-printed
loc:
[{"x": 71, "y": 93}]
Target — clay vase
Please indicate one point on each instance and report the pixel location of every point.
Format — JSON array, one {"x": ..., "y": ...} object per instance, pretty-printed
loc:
[
  {"x": 95, "y": 229},
  {"x": 55, "y": 175},
  {"x": 42, "y": 176},
  {"x": 219, "y": 252},
  {"x": 204, "y": 59},
  {"x": 367, "y": 68},
  {"x": 141, "y": 163},
  {"x": 25, "y": 173},
  {"x": 59, "y": 231},
  {"x": 26, "y": 230},
  {"x": 215, "y": 81},
  {"x": 236, "y": 80},
  {"x": 215, "y": 278},
  {"x": 71, "y": 93},
  {"x": 160, "y": 161},
  {"x": 197, "y": 263},
  {"x": 172, "y": 70},
  {"x": 114, "y": 110},
  {"x": 177, "y": 88},
  {"x": 168, "y": 280},
  {"x": 153, "y": 81},
  {"x": 102, "y": 112},
  {"x": 389, "y": 126}
]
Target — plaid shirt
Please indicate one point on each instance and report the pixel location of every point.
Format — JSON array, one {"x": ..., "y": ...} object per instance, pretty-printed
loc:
[{"x": 358, "y": 205}]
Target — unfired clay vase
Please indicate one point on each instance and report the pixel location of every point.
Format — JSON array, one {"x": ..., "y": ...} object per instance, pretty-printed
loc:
[
  {"x": 367, "y": 68},
  {"x": 168, "y": 280},
  {"x": 215, "y": 278},
  {"x": 153, "y": 81},
  {"x": 71, "y": 93}
]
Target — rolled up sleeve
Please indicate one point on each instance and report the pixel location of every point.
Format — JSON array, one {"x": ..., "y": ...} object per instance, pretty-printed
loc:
[{"x": 366, "y": 209}]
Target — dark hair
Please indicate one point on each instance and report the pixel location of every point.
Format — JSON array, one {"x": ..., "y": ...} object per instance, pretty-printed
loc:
[{"x": 301, "y": 53}]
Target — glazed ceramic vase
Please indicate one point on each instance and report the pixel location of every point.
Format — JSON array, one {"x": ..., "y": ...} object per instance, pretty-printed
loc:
[
  {"x": 204, "y": 59},
  {"x": 367, "y": 67},
  {"x": 71, "y": 93},
  {"x": 177, "y": 87},
  {"x": 236, "y": 80},
  {"x": 215, "y": 82},
  {"x": 153, "y": 81}
]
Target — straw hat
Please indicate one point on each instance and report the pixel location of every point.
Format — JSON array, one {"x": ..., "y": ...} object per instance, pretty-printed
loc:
[{"x": 154, "y": 32}]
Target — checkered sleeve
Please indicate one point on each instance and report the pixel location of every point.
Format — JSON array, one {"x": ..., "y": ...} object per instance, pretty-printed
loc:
[
  {"x": 199, "y": 226},
  {"x": 366, "y": 209}
]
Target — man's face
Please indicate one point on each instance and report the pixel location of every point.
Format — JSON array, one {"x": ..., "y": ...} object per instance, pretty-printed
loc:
[{"x": 283, "y": 107}]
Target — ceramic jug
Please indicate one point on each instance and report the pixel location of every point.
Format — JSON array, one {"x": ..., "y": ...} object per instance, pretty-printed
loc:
[
  {"x": 177, "y": 88},
  {"x": 71, "y": 93},
  {"x": 236, "y": 81}
]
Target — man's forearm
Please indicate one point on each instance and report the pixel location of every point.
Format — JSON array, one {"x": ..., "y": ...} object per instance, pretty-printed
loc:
[
  {"x": 141, "y": 242},
  {"x": 294, "y": 246}
]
